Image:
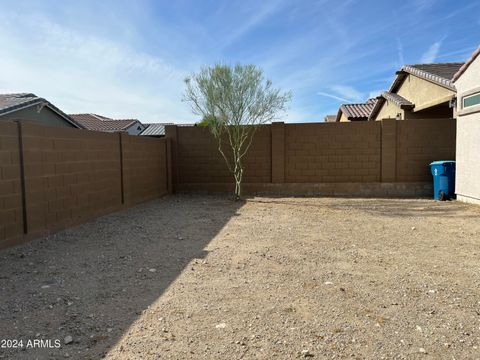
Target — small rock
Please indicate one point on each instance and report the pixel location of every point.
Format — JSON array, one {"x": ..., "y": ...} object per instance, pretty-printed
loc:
[
  {"x": 422, "y": 350},
  {"x": 306, "y": 353},
  {"x": 328, "y": 283},
  {"x": 68, "y": 340},
  {"x": 221, "y": 326},
  {"x": 414, "y": 228},
  {"x": 152, "y": 270}
]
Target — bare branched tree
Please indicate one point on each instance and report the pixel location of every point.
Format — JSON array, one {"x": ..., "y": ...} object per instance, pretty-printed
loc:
[{"x": 234, "y": 101}]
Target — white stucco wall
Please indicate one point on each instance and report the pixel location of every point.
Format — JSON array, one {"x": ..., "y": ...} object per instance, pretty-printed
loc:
[{"x": 468, "y": 138}]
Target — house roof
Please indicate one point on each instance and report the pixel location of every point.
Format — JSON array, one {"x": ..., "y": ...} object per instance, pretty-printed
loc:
[
  {"x": 14, "y": 102},
  {"x": 102, "y": 123},
  {"x": 330, "y": 118},
  {"x": 154, "y": 129},
  {"x": 465, "y": 66},
  {"x": 438, "y": 73},
  {"x": 357, "y": 111},
  {"x": 398, "y": 100}
]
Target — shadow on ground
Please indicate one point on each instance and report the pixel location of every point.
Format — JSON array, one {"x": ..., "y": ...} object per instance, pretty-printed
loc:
[{"x": 93, "y": 281}]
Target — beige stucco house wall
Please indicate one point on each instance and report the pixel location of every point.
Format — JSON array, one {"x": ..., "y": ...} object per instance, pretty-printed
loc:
[
  {"x": 431, "y": 101},
  {"x": 390, "y": 110},
  {"x": 468, "y": 136},
  {"x": 343, "y": 118},
  {"x": 423, "y": 93}
]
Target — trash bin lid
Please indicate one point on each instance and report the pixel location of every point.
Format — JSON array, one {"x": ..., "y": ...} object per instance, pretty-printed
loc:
[{"x": 442, "y": 162}]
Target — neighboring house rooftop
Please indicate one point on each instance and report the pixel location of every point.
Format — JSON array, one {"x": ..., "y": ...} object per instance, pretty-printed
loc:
[
  {"x": 154, "y": 129},
  {"x": 101, "y": 123},
  {"x": 13, "y": 102},
  {"x": 439, "y": 73},
  {"x": 398, "y": 100},
  {"x": 357, "y": 111},
  {"x": 330, "y": 118},
  {"x": 465, "y": 66}
]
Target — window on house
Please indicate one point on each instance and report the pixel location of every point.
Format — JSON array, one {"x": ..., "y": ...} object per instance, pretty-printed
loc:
[{"x": 471, "y": 100}]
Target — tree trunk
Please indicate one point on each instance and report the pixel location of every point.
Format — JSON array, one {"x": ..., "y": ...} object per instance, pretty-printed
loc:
[
  {"x": 237, "y": 174},
  {"x": 238, "y": 187}
]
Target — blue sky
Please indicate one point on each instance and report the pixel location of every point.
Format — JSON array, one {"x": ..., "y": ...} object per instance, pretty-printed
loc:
[{"x": 128, "y": 59}]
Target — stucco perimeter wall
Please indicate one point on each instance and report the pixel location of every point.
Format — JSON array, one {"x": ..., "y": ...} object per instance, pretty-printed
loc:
[
  {"x": 55, "y": 177},
  {"x": 384, "y": 158}
]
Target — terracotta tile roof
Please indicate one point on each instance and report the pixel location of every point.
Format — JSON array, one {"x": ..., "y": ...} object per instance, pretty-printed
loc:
[
  {"x": 13, "y": 102},
  {"x": 101, "y": 123},
  {"x": 465, "y": 66},
  {"x": 357, "y": 111},
  {"x": 398, "y": 100},
  {"x": 401, "y": 102},
  {"x": 154, "y": 129},
  {"x": 439, "y": 73}
]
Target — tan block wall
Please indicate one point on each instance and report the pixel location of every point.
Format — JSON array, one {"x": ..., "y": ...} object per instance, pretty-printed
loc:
[
  {"x": 199, "y": 161},
  {"x": 387, "y": 151},
  {"x": 70, "y": 175},
  {"x": 11, "y": 214},
  {"x": 332, "y": 152},
  {"x": 419, "y": 142},
  {"x": 144, "y": 168}
]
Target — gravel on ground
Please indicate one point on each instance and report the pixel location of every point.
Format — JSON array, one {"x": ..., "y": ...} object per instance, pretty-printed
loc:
[{"x": 203, "y": 277}]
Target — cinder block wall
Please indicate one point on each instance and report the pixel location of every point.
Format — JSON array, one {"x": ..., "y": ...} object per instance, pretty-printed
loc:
[
  {"x": 145, "y": 168},
  {"x": 333, "y": 152},
  {"x": 386, "y": 157},
  {"x": 197, "y": 159},
  {"x": 11, "y": 212},
  {"x": 419, "y": 142},
  {"x": 71, "y": 176}
]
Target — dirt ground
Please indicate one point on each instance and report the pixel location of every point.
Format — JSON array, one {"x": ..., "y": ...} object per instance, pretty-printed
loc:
[{"x": 199, "y": 277}]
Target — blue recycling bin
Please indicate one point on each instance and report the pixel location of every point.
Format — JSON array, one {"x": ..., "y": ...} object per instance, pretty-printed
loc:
[{"x": 443, "y": 179}]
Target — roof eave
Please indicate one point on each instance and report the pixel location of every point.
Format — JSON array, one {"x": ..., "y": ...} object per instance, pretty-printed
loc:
[
  {"x": 47, "y": 104},
  {"x": 376, "y": 109},
  {"x": 466, "y": 65}
]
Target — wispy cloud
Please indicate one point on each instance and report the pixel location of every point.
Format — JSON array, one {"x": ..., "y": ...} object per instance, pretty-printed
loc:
[
  {"x": 421, "y": 5},
  {"x": 90, "y": 73},
  {"x": 401, "y": 58},
  {"x": 431, "y": 54},
  {"x": 257, "y": 16},
  {"x": 332, "y": 96},
  {"x": 375, "y": 93},
  {"x": 348, "y": 92}
]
